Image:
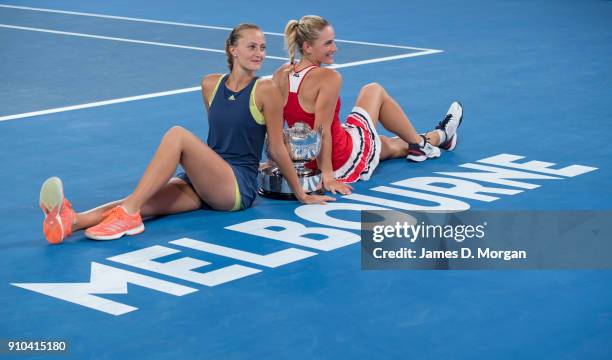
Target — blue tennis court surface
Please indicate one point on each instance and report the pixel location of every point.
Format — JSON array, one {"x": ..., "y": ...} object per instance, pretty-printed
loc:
[{"x": 89, "y": 88}]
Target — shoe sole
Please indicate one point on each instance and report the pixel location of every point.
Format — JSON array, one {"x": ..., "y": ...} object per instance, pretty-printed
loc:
[
  {"x": 135, "y": 231},
  {"x": 421, "y": 158},
  {"x": 50, "y": 201},
  {"x": 453, "y": 143},
  {"x": 416, "y": 158},
  {"x": 51, "y": 194}
]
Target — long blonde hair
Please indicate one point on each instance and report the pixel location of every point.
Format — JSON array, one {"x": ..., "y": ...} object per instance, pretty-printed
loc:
[
  {"x": 307, "y": 29},
  {"x": 232, "y": 40}
]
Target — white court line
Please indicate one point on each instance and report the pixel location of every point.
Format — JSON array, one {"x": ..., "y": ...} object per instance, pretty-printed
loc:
[
  {"x": 190, "y": 89},
  {"x": 124, "y": 40},
  {"x": 105, "y": 102},
  {"x": 98, "y": 103},
  {"x": 388, "y": 58},
  {"x": 185, "y": 24},
  {"x": 423, "y": 51}
]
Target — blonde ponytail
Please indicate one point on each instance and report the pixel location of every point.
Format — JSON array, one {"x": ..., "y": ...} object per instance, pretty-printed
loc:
[{"x": 290, "y": 39}]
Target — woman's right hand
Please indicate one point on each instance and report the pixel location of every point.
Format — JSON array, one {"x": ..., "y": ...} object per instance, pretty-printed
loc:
[
  {"x": 316, "y": 199},
  {"x": 334, "y": 186}
]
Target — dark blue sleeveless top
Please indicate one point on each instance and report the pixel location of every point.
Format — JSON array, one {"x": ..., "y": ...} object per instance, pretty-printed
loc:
[{"x": 237, "y": 132}]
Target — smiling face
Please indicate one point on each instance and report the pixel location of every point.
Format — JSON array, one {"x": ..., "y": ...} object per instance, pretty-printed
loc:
[
  {"x": 249, "y": 51},
  {"x": 323, "y": 49}
]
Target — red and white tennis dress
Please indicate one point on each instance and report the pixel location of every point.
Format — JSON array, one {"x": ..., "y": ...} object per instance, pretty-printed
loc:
[{"x": 355, "y": 144}]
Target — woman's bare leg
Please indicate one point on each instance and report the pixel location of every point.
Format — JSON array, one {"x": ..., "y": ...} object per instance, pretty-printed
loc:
[
  {"x": 212, "y": 177},
  {"x": 157, "y": 193},
  {"x": 392, "y": 148},
  {"x": 175, "y": 197},
  {"x": 382, "y": 107}
]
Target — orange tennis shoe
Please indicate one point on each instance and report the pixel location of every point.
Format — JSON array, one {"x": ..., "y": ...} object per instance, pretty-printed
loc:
[
  {"x": 59, "y": 216},
  {"x": 117, "y": 222}
]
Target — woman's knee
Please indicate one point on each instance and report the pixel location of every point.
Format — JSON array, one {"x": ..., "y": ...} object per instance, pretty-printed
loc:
[
  {"x": 175, "y": 134},
  {"x": 373, "y": 89},
  {"x": 177, "y": 131}
]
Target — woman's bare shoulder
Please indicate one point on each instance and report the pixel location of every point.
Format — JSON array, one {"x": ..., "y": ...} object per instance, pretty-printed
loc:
[
  {"x": 327, "y": 76},
  {"x": 209, "y": 81}
]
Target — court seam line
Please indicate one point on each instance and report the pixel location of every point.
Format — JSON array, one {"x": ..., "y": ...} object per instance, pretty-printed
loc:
[
  {"x": 144, "y": 42},
  {"x": 189, "y": 89},
  {"x": 186, "y": 24}
]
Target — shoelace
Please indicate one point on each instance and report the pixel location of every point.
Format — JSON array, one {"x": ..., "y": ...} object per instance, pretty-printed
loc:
[
  {"x": 443, "y": 123},
  {"x": 114, "y": 211},
  {"x": 426, "y": 140}
]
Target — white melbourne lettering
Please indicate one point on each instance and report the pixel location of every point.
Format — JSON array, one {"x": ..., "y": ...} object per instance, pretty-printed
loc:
[
  {"x": 272, "y": 260},
  {"x": 110, "y": 280},
  {"x": 295, "y": 233},
  {"x": 105, "y": 280},
  {"x": 181, "y": 268}
]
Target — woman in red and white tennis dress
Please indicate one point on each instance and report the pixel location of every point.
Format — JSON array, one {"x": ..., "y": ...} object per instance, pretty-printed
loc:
[{"x": 349, "y": 152}]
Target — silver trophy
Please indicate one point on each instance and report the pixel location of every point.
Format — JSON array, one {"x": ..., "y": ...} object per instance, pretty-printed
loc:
[{"x": 303, "y": 145}]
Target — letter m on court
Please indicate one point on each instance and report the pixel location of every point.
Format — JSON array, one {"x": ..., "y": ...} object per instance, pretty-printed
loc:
[{"x": 105, "y": 280}]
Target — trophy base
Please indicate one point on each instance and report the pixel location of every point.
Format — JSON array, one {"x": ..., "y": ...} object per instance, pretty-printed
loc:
[{"x": 274, "y": 186}]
